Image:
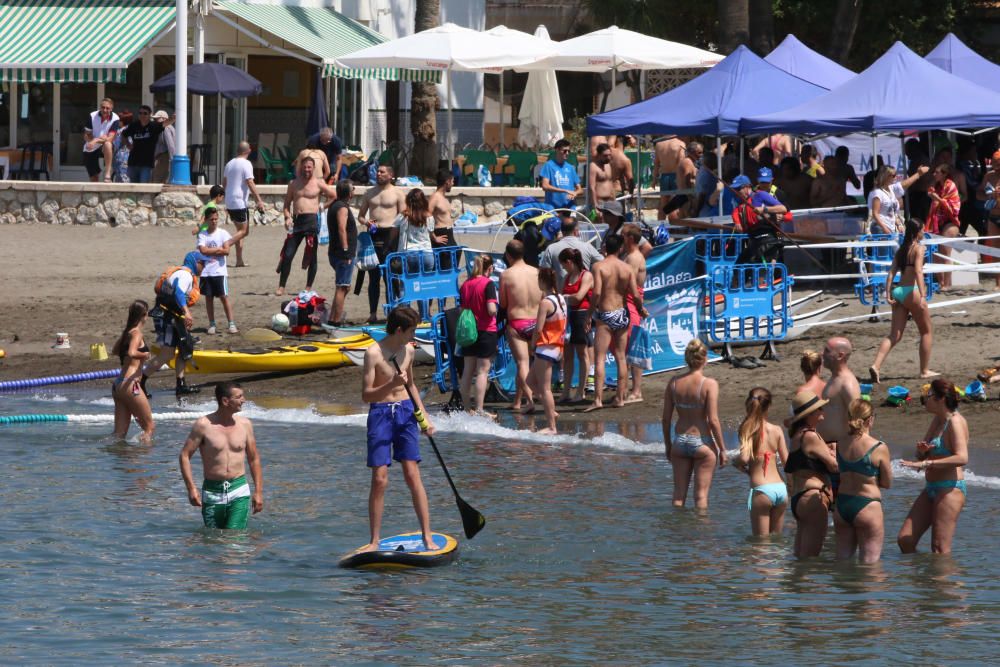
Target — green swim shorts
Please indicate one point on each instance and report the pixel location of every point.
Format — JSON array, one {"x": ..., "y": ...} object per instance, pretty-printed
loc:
[{"x": 225, "y": 503}]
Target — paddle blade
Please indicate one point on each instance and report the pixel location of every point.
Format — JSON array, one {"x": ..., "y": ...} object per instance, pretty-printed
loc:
[
  {"x": 259, "y": 335},
  {"x": 472, "y": 521}
]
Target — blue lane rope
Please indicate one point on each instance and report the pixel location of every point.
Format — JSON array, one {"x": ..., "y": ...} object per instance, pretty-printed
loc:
[
  {"x": 10, "y": 385},
  {"x": 93, "y": 419}
]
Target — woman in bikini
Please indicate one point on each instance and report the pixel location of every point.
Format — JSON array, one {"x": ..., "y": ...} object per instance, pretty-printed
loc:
[
  {"x": 127, "y": 392},
  {"x": 907, "y": 299},
  {"x": 811, "y": 364},
  {"x": 810, "y": 463},
  {"x": 946, "y": 203},
  {"x": 762, "y": 444},
  {"x": 942, "y": 456},
  {"x": 548, "y": 341},
  {"x": 697, "y": 445},
  {"x": 865, "y": 470},
  {"x": 577, "y": 289}
]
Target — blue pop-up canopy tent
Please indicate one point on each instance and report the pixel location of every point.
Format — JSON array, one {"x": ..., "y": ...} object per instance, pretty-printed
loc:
[
  {"x": 899, "y": 91},
  {"x": 741, "y": 85},
  {"x": 796, "y": 58},
  {"x": 952, "y": 55}
]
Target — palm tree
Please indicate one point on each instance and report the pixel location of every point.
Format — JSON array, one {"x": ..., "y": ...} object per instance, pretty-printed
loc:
[
  {"x": 734, "y": 24},
  {"x": 424, "y": 103},
  {"x": 762, "y": 26},
  {"x": 845, "y": 25}
]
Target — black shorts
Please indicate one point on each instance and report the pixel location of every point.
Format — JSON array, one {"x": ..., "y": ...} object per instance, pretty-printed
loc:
[
  {"x": 214, "y": 286},
  {"x": 578, "y": 333},
  {"x": 238, "y": 215},
  {"x": 485, "y": 346},
  {"x": 92, "y": 161}
]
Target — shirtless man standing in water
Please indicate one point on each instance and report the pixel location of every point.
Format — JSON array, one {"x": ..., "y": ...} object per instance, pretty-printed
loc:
[
  {"x": 383, "y": 204},
  {"x": 840, "y": 390},
  {"x": 225, "y": 440},
  {"x": 519, "y": 298},
  {"x": 613, "y": 281},
  {"x": 601, "y": 183},
  {"x": 302, "y": 199},
  {"x": 668, "y": 152}
]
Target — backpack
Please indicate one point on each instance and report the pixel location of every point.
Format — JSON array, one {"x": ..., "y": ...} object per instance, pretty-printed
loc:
[
  {"x": 165, "y": 289},
  {"x": 466, "y": 332}
]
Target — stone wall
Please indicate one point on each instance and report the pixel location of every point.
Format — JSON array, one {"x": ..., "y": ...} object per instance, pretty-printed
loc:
[{"x": 114, "y": 204}]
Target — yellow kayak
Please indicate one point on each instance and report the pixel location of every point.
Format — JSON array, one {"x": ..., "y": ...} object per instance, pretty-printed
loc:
[{"x": 295, "y": 357}]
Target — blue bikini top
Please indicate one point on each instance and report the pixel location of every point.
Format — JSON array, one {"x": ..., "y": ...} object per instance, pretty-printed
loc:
[
  {"x": 862, "y": 466},
  {"x": 940, "y": 449}
]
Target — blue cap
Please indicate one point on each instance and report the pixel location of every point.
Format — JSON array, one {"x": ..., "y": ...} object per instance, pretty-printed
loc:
[
  {"x": 192, "y": 258},
  {"x": 551, "y": 228},
  {"x": 765, "y": 175},
  {"x": 741, "y": 181}
]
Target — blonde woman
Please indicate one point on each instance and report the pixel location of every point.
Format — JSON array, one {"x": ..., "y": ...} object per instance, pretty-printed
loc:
[
  {"x": 697, "y": 446},
  {"x": 811, "y": 364},
  {"x": 884, "y": 201},
  {"x": 865, "y": 470},
  {"x": 762, "y": 445}
]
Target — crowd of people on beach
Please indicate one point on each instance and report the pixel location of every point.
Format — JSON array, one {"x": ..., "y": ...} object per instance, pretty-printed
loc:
[{"x": 831, "y": 459}]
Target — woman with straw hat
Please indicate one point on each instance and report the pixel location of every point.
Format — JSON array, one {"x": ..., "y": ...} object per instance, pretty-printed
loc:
[{"x": 810, "y": 465}]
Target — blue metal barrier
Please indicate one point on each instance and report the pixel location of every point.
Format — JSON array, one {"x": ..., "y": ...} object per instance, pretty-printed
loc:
[
  {"x": 712, "y": 250},
  {"x": 749, "y": 303},
  {"x": 446, "y": 376},
  {"x": 422, "y": 277},
  {"x": 869, "y": 288}
]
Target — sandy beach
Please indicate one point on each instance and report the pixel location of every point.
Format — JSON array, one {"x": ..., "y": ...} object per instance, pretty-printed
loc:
[{"x": 80, "y": 280}]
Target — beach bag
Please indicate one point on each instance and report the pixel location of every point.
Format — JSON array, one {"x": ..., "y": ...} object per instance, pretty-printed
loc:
[
  {"x": 484, "y": 177},
  {"x": 324, "y": 230},
  {"x": 466, "y": 332},
  {"x": 367, "y": 259}
]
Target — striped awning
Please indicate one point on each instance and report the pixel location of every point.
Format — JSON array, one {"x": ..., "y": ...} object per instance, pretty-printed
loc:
[
  {"x": 59, "y": 41},
  {"x": 325, "y": 33}
]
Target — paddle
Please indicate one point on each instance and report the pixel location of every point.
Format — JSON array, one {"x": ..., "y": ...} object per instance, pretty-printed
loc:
[
  {"x": 472, "y": 520},
  {"x": 259, "y": 335}
]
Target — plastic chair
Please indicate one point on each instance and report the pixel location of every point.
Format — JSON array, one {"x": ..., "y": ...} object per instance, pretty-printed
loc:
[
  {"x": 521, "y": 166},
  {"x": 34, "y": 161},
  {"x": 274, "y": 168},
  {"x": 201, "y": 160},
  {"x": 642, "y": 167},
  {"x": 288, "y": 160}
]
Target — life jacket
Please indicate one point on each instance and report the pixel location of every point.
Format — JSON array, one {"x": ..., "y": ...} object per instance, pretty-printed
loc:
[
  {"x": 165, "y": 289},
  {"x": 746, "y": 218}
]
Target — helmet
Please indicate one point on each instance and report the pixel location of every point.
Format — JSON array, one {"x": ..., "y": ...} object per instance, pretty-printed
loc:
[{"x": 662, "y": 235}]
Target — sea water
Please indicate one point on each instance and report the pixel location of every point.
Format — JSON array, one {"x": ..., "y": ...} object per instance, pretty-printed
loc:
[{"x": 582, "y": 560}]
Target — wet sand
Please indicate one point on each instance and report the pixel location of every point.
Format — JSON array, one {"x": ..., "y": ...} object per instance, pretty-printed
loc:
[{"x": 80, "y": 280}]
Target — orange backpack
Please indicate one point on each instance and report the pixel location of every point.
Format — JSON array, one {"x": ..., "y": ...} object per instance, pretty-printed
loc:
[{"x": 166, "y": 290}]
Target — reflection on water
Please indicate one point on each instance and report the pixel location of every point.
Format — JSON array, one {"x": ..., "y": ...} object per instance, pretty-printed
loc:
[{"x": 583, "y": 559}]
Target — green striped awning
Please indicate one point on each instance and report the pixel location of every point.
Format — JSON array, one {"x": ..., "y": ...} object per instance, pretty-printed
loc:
[
  {"x": 79, "y": 41},
  {"x": 326, "y": 34}
]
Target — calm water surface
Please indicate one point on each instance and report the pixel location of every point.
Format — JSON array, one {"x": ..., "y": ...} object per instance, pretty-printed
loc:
[{"x": 582, "y": 561}]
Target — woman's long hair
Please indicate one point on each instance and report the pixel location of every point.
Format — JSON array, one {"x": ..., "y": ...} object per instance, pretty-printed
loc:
[
  {"x": 136, "y": 312},
  {"x": 752, "y": 428},
  {"x": 573, "y": 256},
  {"x": 417, "y": 208},
  {"x": 912, "y": 229},
  {"x": 810, "y": 363},
  {"x": 482, "y": 265},
  {"x": 858, "y": 413}
]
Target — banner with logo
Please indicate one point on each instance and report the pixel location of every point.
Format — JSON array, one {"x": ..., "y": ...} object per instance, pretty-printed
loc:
[{"x": 670, "y": 264}]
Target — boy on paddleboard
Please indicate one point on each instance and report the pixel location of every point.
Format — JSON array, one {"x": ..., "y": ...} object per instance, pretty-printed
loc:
[
  {"x": 226, "y": 441},
  {"x": 393, "y": 420}
]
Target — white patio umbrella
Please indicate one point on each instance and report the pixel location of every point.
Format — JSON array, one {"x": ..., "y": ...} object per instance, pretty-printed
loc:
[
  {"x": 449, "y": 48},
  {"x": 615, "y": 48},
  {"x": 541, "y": 114}
]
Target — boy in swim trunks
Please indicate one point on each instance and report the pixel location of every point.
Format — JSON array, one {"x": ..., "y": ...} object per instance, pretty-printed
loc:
[
  {"x": 224, "y": 439},
  {"x": 393, "y": 420}
]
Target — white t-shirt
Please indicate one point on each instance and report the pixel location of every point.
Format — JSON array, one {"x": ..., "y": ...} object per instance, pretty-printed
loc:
[
  {"x": 413, "y": 237},
  {"x": 236, "y": 173},
  {"x": 100, "y": 127},
  {"x": 216, "y": 264},
  {"x": 890, "y": 206}
]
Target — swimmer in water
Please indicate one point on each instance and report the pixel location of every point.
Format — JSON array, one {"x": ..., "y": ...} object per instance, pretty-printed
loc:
[
  {"x": 942, "y": 455},
  {"x": 762, "y": 445},
  {"x": 126, "y": 390}
]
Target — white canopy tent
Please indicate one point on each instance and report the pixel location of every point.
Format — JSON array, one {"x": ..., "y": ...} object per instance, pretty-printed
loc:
[{"x": 451, "y": 48}]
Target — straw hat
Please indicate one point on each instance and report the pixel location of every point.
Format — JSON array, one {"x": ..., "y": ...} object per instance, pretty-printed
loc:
[{"x": 805, "y": 403}]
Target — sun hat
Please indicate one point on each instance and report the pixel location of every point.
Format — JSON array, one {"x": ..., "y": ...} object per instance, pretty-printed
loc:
[
  {"x": 804, "y": 404},
  {"x": 161, "y": 114},
  {"x": 765, "y": 175},
  {"x": 741, "y": 181},
  {"x": 613, "y": 207}
]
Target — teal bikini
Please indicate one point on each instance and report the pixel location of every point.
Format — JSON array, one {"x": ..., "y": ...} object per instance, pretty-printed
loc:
[
  {"x": 940, "y": 486},
  {"x": 850, "y": 506},
  {"x": 899, "y": 292}
]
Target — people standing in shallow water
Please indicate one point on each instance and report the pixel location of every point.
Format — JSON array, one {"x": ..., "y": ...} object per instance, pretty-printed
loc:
[
  {"x": 811, "y": 364},
  {"x": 864, "y": 465},
  {"x": 809, "y": 466},
  {"x": 548, "y": 342},
  {"x": 908, "y": 299},
  {"x": 697, "y": 445},
  {"x": 762, "y": 445},
  {"x": 942, "y": 457},
  {"x": 126, "y": 390}
]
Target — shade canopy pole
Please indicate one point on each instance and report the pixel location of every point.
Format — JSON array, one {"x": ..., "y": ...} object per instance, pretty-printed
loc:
[{"x": 180, "y": 164}]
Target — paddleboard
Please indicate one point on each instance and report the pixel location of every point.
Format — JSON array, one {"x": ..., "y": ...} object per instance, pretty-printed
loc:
[{"x": 402, "y": 552}]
